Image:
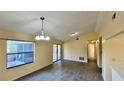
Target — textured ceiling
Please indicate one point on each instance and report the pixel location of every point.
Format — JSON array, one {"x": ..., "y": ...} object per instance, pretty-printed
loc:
[{"x": 58, "y": 25}]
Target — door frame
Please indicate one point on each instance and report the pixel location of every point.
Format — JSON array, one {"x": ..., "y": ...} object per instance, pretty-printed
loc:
[{"x": 100, "y": 50}]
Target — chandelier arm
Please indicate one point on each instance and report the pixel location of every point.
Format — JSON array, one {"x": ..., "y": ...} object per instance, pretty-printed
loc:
[
  {"x": 42, "y": 25},
  {"x": 42, "y": 33}
]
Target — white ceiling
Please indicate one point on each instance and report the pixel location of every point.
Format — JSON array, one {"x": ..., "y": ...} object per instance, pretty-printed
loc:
[{"x": 58, "y": 25}]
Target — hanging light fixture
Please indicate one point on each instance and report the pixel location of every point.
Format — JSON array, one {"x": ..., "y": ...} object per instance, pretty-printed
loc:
[{"x": 42, "y": 36}]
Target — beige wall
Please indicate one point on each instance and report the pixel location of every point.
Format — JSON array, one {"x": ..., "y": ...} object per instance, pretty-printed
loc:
[
  {"x": 112, "y": 48},
  {"x": 43, "y": 56},
  {"x": 113, "y": 55},
  {"x": 108, "y": 27},
  {"x": 73, "y": 49}
]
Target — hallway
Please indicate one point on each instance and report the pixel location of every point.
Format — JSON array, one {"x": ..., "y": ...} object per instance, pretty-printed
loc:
[{"x": 66, "y": 71}]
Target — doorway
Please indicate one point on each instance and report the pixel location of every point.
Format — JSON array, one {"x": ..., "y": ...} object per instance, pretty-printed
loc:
[
  {"x": 91, "y": 50},
  {"x": 56, "y": 52},
  {"x": 100, "y": 51},
  {"x": 100, "y": 54}
]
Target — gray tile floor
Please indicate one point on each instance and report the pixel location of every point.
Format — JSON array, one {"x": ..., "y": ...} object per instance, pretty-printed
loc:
[{"x": 66, "y": 71}]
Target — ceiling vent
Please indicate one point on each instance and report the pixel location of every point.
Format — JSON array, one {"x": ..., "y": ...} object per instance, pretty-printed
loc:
[
  {"x": 77, "y": 38},
  {"x": 114, "y": 16}
]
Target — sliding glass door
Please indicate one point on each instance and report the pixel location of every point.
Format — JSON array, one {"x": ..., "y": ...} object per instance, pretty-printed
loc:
[
  {"x": 59, "y": 52},
  {"x": 56, "y": 52}
]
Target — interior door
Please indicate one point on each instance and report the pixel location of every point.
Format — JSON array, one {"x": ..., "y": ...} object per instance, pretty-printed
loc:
[{"x": 91, "y": 51}]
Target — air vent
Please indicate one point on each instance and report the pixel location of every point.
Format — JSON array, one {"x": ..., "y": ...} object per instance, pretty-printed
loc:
[
  {"x": 114, "y": 16},
  {"x": 77, "y": 38},
  {"x": 81, "y": 58}
]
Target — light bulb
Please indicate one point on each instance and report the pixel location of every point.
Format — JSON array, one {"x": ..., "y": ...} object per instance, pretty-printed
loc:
[
  {"x": 47, "y": 38},
  {"x": 37, "y": 37},
  {"x": 41, "y": 37}
]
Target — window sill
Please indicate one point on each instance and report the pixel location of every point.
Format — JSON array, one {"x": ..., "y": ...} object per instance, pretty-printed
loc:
[{"x": 18, "y": 65}]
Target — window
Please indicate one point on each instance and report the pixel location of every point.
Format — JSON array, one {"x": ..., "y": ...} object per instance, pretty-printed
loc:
[{"x": 19, "y": 53}]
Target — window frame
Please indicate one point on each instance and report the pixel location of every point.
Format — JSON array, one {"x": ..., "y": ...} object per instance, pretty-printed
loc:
[{"x": 34, "y": 42}]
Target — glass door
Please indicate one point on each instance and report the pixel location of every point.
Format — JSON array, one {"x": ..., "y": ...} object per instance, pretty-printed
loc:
[
  {"x": 56, "y": 52},
  {"x": 59, "y": 52}
]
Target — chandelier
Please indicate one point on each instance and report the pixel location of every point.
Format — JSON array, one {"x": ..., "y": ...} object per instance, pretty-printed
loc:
[{"x": 42, "y": 36}]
